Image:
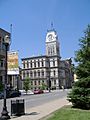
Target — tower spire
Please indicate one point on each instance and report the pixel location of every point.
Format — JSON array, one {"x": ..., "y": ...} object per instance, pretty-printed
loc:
[
  {"x": 52, "y": 26},
  {"x": 10, "y": 33}
]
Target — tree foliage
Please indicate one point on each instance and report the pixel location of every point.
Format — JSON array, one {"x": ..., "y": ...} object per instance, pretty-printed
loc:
[
  {"x": 27, "y": 84},
  {"x": 80, "y": 94},
  {"x": 43, "y": 86},
  {"x": 83, "y": 56}
]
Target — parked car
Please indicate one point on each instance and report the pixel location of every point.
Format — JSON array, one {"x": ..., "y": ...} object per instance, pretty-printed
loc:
[
  {"x": 29, "y": 92},
  {"x": 1, "y": 95},
  {"x": 15, "y": 93},
  {"x": 38, "y": 91},
  {"x": 10, "y": 94}
]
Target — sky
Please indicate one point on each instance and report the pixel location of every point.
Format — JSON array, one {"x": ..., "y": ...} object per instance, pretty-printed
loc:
[{"x": 31, "y": 19}]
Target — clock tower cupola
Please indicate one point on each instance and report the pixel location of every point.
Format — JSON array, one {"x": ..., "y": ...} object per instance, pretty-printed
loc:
[{"x": 52, "y": 44}]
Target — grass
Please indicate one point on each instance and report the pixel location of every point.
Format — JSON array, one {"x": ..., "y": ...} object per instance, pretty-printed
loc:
[{"x": 69, "y": 113}]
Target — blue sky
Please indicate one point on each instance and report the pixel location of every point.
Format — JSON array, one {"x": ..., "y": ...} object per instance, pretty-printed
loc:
[{"x": 31, "y": 19}]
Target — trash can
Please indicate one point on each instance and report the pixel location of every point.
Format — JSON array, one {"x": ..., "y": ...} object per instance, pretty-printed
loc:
[{"x": 17, "y": 107}]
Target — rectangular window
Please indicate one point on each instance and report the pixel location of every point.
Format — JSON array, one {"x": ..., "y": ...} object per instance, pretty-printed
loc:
[
  {"x": 39, "y": 82},
  {"x": 35, "y": 82},
  {"x": 38, "y": 63},
  {"x": 54, "y": 82},
  {"x": 27, "y": 64},
  {"x": 54, "y": 72},
  {"x": 31, "y": 64},
  {"x": 34, "y": 73},
  {"x": 23, "y": 64},
  {"x": 23, "y": 74},
  {"x": 34, "y": 63},
  {"x": 31, "y": 74},
  {"x": 42, "y": 63},
  {"x": 53, "y": 62}
]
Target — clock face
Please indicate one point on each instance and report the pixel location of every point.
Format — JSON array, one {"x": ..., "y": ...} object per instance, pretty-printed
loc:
[{"x": 50, "y": 37}]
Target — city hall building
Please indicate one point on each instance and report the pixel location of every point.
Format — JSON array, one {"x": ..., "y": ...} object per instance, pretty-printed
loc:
[{"x": 42, "y": 69}]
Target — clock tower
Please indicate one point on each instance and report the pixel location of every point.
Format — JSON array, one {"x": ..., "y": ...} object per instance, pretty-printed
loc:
[
  {"x": 52, "y": 44},
  {"x": 53, "y": 53}
]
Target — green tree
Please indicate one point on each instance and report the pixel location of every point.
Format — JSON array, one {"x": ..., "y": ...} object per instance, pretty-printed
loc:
[
  {"x": 80, "y": 94},
  {"x": 27, "y": 84},
  {"x": 43, "y": 86},
  {"x": 83, "y": 56}
]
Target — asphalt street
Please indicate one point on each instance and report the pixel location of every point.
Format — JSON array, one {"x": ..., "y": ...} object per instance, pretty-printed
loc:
[{"x": 36, "y": 100}]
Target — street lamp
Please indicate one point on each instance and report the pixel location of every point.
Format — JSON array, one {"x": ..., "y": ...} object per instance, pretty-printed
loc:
[
  {"x": 49, "y": 85},
  {"x": 4, "y": 113},
  {"x": 49, "y": 81}
]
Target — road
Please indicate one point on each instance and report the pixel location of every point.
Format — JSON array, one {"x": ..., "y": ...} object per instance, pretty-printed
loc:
[{"x": 36, "y": 100}]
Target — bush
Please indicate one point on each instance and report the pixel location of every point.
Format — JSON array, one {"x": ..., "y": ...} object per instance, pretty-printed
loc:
[{"x": 80, "y": 94}]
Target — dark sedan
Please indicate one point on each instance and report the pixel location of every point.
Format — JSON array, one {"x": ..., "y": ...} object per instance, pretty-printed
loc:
[
  {"x": 15, "y": 93},
  {"x": 10, "y": 94}
]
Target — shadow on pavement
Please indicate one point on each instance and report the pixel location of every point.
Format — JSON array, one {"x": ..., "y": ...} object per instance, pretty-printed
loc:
[
  {"x": 33, "y": 113},
  {"x": 26, "y": 114}
]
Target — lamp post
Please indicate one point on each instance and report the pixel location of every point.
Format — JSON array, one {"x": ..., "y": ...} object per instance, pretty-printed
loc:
[
  {"x": 49, "y": 81},
  {"x": 18, "y": 83},
  {"x": 4, "y": 113},
  {"x": 49, "y": 85}
]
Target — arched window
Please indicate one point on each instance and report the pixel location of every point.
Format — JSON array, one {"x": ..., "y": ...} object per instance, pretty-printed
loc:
[
  {"x": 38, "y": 73},
  {"x": 53, "y": 50},
  {"x": 34, "y": 73},
  {"x": 54, "y": 82},
  {"x": 27, "y": 74},
  {"x": 42, "y": 72},
  {"x": 48, "y": 50}
]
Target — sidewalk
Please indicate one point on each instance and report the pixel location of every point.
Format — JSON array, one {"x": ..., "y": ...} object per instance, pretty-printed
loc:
[{"x": 36, "y": 113}]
